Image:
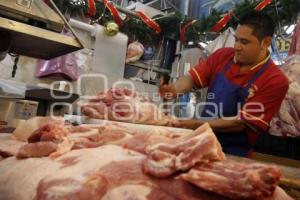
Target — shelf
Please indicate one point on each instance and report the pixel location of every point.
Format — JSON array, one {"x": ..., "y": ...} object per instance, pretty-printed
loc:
[
  {"x": 36, "y": 42},
  {"x": 147, "y": 67},
  {"x": 45, "y": 94}
]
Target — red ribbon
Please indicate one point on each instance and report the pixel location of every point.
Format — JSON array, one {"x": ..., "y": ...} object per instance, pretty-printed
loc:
[
  {"x": 114, "y": 12},
  {"x": 222, "y": 22},
  {"x": 152, "y": 24},
  {"x": 184, "y": 29},
  {"x": 92, "y": 7},
  {"x": 262, "y": 5}
]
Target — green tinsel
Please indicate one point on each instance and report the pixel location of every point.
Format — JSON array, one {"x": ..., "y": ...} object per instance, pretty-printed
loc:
[
  {"x": 136, "y": 29},
  {"x": 170, "y": 25}
]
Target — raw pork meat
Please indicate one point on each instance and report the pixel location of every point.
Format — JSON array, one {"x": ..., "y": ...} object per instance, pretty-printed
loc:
[
  {"x": 234, "y": 179},
  {"x": 55, "y": 139},
  {"x": 125, "y": 105},
  {"x": 147, "y": 137},
  {"x": 108, "y": 134},
  {"x": 165, "y": 159},
  {"x": 38, "y": 149},
  {"x": 49, "y": 132},
  {"x": 49, "y": 138},
  {"x": 9, "y": 146},
  {"x": 79, "y": 129},
  {"x": 132, "y": 137},
  {"x": 106, "y": 173},
  {"x": 19, "y": 178},
  {"x": 287, "y": 121},
  {"x": 26, "y": 128}
]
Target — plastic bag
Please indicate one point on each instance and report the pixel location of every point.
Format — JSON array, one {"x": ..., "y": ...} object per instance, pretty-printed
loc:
[
  {"x": 149, "y": 53},
  {"x": 135, "y": 51},
  {"x": 12, "y": 89},
  {"x": 65, "y": 65}
]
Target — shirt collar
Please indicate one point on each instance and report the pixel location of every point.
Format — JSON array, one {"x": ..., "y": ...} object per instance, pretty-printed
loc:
[{"x": 259, "y": 64}]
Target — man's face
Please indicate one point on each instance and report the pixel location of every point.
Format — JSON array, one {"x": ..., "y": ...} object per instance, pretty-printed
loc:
[{"x": 247, "y": 47}]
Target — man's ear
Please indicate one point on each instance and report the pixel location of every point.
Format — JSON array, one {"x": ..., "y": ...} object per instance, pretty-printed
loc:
[{"x": 266, "y": 42}]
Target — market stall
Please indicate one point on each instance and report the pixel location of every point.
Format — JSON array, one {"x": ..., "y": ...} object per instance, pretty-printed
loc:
[{"x": 119, "y": 100}]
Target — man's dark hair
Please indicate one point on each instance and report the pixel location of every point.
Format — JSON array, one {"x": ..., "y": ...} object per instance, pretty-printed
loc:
[{"x": 261, "y": 23}]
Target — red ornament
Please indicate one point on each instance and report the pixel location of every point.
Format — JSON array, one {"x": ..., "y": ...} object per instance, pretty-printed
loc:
[
  {"x": 184, "y": 28},
  {"x": 92, "y": 7},
  {"x": 152, "y": 24},
  {"x": 262, "y": 5},
  {"x": 222, "y": 22},
  {"x": 114, "y": 12}
]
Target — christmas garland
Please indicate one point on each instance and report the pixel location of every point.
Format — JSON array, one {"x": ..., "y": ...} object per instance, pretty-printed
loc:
[{"x": 147, "y": 30}]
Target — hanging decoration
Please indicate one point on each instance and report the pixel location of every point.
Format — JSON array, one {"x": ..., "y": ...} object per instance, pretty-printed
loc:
[
  {"x": 183, "y": 30},
  {"x": 115, "y": 13},
  {"x": 152, "y": 24},
  {"x": 222, "y": 22},
  {"x": 262, "y": 5},
  {"x": 111, "y": 28},
  {"x": 140, "y": 27},
  {"x": 92, "y": 7}
]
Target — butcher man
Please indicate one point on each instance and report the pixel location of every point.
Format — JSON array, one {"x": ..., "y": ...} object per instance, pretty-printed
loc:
[{"x": 245, "y": 87}]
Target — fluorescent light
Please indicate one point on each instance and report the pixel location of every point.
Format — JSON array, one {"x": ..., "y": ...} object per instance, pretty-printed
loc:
[{"x": 290, "y": 29}]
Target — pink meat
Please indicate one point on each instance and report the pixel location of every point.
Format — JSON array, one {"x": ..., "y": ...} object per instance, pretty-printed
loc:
[
  {"x": 112, "y": 173},
  {"x": 124, "y": 105},
  {"x": 45, "y": 140},
  {"x": 234, "y": 179},
  {"x": 165, "y": 159},
  {"x": 49, "y": 132},
  {"x": 26, "y": 128},
  {"x": 99, "y": 170},
  {"x": 38, "y": 149},
  {"x": 286, "y": 122}
]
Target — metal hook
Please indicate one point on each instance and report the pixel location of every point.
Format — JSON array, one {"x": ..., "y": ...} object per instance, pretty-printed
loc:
[{"x": 15, "y": 66}]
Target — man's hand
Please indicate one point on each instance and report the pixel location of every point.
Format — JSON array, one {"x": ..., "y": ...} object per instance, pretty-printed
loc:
[
  {"x": 170, "y": 91},
  {"x": 167, "y": 91},
  {"x": 188, "y": 124}
]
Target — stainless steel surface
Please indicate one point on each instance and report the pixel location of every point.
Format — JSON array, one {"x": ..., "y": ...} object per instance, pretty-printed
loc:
[
  {"x": 39, "y": 40},
  {"x": 65, "y": 21},
  {"x": 38, "y": 11}
]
